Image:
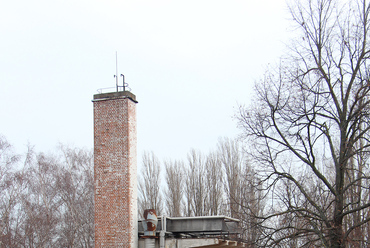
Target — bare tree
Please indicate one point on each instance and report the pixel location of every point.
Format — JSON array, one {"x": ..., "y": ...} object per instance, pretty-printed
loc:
[
  {"x": 76, "y": 189},
  {"x": 9, "y": 195},
  {"x": 198, "y": 185},
  {"x": 242, "y": 187},
  {"x": 47, "y": 201},
  {"x": 232, "y": 163},
  {"x": 150, "y": 196},
  {"x": 175, "y": 187},
  {"x": 195, "y": 187},
  {"x": 214, "y": 185},
  {"x": 41, "y": 203},
  {"x": 308, "y": 128}
]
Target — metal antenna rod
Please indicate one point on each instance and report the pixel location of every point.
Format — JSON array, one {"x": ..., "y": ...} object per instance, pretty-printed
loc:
[{"x": 116, "y": 73}]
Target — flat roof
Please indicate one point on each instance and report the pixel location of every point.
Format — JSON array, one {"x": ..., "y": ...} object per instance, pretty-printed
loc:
[{"x": 196, "y": 226}]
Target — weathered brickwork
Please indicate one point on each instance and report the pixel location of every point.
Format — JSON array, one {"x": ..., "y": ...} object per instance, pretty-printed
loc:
[{"x": 115, "y": 171}]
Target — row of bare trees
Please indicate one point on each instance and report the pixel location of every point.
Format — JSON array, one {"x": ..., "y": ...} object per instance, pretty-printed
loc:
[
  {"x": 219, "y": 183},
  {"x": 46, "y": 200}
]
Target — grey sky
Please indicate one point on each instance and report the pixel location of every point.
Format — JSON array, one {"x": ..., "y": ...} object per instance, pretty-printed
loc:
[{"x": 188, "y": 62}]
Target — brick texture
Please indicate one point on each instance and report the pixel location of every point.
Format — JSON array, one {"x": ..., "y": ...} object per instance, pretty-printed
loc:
[{"x": 115, "y": 171}]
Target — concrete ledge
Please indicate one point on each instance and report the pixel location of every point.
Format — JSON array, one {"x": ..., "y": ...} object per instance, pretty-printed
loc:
[{"x": 114, "y": 95}]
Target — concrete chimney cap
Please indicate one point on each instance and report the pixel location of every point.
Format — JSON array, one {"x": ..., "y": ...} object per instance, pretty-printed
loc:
[{"x": 115, "y": 95}]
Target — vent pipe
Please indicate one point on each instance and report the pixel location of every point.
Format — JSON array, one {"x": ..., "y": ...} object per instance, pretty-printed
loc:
[{"x": 150, "y": 226}]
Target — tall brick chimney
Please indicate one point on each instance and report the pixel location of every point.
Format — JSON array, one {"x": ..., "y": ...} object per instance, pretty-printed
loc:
[{"x": 115, "y": 169}]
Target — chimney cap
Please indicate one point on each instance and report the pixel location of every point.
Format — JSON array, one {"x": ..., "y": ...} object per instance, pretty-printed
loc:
[{"x": 114, "y": 95}]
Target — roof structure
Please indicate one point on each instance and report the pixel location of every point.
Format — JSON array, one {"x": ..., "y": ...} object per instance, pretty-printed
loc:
[{"x": 201, "y": 231}]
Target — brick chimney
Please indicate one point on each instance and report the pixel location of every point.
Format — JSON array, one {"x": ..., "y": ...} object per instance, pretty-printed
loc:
[{"x": 115, "y": 176}]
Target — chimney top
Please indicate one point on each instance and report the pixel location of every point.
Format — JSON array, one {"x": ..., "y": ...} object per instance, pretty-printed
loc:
[{"x": 114, "y": 95}]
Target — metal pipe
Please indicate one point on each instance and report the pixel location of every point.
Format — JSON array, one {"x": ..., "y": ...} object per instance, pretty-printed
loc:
[
  {"x": 150, "y": 226},
  {"x": 162, "y": 234},
  {"x": 149, "y": 243},
  {"x": 205, "y": 217},
  {"x": 124, "y": 84},
  {"x": 150, "y": 222}
]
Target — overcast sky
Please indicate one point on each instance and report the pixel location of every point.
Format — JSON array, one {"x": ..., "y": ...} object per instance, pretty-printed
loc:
[{"x": 189, "y": 63}]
